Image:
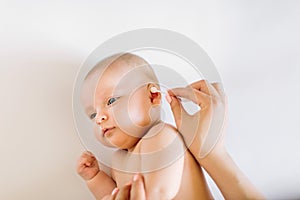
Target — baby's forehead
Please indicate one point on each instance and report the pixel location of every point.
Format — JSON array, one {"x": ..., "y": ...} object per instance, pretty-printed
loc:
[
  {"x": 120, "y": 67},
  {"x": 125, "y": 71}
]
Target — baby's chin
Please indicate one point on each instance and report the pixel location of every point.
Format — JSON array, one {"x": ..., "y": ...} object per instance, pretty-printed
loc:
[
  {"x": 100, "y": 138},
  {"x": 107, "y": 144},
  {"x": 116, "y": 146},
  {"x": 111, "y": 140}
]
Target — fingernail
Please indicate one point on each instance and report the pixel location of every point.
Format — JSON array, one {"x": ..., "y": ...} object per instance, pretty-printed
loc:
[
  {"x": 135, "y": 177},
  {"x": 115, "y": 191},
  {"x": 168, "y": 98}
]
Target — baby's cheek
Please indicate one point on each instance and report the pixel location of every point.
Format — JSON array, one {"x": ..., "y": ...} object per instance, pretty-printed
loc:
[
  {"x": 99, "y": 137},
  {"x": 130, "y": 118},
  {"x": 139, "y": 115},
  {"x": 138, "y": 108}
]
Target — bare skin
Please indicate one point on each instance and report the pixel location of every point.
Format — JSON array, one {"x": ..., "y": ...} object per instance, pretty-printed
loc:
[
  {"x": 180, "y": 179},
  {"x": 218, "y": 162}
]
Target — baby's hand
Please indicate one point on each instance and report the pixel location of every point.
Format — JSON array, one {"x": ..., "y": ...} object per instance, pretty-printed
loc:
[{"x": 87, "y": 166}]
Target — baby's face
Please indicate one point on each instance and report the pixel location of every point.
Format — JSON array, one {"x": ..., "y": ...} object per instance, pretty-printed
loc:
[{"x": 120, "y": 105}]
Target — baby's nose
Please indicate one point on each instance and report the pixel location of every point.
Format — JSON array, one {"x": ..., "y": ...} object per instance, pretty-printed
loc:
[{"x": 101, "y": 118}]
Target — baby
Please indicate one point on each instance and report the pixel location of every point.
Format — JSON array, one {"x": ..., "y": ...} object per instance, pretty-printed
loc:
[{"x": 121, "y": 96}]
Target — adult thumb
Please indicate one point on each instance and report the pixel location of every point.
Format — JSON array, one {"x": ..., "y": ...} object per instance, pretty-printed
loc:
[{"x": 138, "y": 188}]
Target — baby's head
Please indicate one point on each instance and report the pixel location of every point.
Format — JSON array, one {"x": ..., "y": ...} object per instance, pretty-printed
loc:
[{"x": 116, "y": 95}]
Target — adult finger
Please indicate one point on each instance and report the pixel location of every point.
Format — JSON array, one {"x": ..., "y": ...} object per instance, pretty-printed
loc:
[
  {"x": 109, "y": 197},
  {"x": 138, "y": 188},
  {"x": 198, "y": 97},
  {"x": 177, "y": 110},
  {"x": 219, "y": 88},
  {"x": 185, "y": 92},
  {"x": 124, "y": 192},
  {"x": 112, "y": 196},
  {"x": 207, "y": 88},
  {"x": 201, "y": 85}
]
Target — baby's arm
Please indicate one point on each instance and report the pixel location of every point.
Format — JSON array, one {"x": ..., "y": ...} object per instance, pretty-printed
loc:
[
  {"x": 163, "y": 182},
  {"x": 99, "y": 183}
]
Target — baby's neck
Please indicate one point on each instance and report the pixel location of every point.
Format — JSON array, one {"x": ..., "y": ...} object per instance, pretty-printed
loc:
[{"x": 153, "y": 129}]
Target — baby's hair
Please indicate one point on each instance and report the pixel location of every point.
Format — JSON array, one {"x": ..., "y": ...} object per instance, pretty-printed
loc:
[{"x": 130, "y": 59}]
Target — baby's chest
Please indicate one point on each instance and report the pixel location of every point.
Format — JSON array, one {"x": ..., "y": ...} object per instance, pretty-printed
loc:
[
  {"x": 122, "y": 178},
  {"x": 124, "y": 166}
]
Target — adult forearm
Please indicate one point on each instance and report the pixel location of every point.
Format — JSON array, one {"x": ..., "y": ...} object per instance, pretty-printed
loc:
[{"x": 231, "y": 181}]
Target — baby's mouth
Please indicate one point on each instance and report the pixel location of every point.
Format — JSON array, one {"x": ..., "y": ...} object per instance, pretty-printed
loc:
[{"x": 106, "y": 131}]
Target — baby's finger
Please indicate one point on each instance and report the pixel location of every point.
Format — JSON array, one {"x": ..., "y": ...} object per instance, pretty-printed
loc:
[
  {"x": 81, "y": 162},
  {"x": 80, "y": 169},
  {"x": 88, "y": 153},
  {"x": 85, "y": 162},
  {"x": 89, "y": 157},
  {"x": 81, "y": 166}
]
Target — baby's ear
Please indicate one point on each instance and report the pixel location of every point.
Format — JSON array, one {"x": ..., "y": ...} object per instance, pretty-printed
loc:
[{"x": 154, "y": 94}]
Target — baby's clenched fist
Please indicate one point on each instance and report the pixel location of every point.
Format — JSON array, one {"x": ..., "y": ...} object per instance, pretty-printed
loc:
[{"x": 87, "y": 166}]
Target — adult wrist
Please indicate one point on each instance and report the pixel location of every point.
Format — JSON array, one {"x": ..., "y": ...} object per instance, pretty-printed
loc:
[{"x": 217, "y": 155}]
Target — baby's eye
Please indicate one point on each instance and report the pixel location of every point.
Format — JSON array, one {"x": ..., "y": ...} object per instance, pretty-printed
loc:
[
  {"x": 112, "y": 100},
  {"x": 92, "y": 116}
]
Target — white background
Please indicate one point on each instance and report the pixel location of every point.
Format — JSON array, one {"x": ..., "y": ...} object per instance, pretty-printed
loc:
[{"x": 255, "y": 46}]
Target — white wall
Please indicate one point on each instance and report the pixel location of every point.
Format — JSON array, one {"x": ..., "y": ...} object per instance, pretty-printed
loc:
[{"x": 254, "y": 45}]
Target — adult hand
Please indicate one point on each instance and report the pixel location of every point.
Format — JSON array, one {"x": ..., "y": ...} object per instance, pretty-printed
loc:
[
  {"x": 203, "y": 130},
  {"x": 131, "y": 191},
  {"x": 203, "y": 133}
]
